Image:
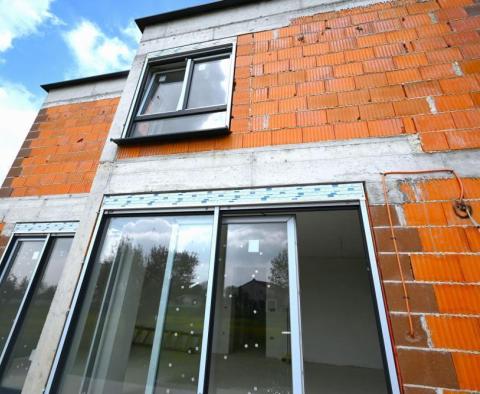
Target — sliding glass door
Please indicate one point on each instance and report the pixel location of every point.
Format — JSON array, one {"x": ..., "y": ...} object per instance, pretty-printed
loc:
[
  {"x": 210, "y": 304},
  {"x": 141, "y": 324},
  {"x": 254, "y": 318}
]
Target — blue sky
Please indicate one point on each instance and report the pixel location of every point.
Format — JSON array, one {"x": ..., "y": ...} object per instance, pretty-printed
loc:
[{"x": 44, "y": 41}]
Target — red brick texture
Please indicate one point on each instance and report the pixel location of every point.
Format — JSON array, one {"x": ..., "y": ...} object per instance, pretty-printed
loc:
[
  {"x": 61, "y": 152},
  {"x": 388, "y": 69},
  {"x": 440, "y": 259}
]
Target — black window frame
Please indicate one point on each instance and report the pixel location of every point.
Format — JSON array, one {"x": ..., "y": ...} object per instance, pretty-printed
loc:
[
  {"x": 153, "y": 67},
  {"x": 6, "y": 262}
]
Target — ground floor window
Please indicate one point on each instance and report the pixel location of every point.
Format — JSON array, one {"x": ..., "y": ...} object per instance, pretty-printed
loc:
[
  {"x": 29, "y": 276},
  {"x": 227, "y": 303}
]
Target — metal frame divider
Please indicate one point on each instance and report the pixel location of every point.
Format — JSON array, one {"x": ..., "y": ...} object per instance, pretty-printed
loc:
[
  {"x": 381, "y": 310},
  {"x": 202, "y": 378},
  {"x": 162, "y": 310},
  {"x": 295, "y": 316}
]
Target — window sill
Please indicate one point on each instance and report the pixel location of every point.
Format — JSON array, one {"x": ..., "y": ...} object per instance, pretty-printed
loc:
[{"x": 170, "y": 137}]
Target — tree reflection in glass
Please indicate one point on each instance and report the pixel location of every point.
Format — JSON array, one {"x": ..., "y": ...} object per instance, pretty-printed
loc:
[
  {"x": 251, "y": 343},
  {"x": 112, "y": 348},
  {"x": 15, "y": 281},
  {"x": 23, "y": 344}
]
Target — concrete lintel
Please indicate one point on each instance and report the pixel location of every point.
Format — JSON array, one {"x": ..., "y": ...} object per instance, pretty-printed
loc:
[
  {"x": 248, "y": 18},
  {"x": 41, "y": 209},
  {"x": 339, "y": 161},
  {"x": 85, "y": 92}
]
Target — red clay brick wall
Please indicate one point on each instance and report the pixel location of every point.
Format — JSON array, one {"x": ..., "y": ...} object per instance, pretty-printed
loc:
[
  {"x": 440, "y": 256},
  {"x": 61, "y": 151},
  {"x": 388, "y": 69}
]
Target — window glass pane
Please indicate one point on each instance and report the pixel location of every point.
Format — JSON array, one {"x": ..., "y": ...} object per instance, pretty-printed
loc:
[
  {"x": 141, "y": 320},
  {"x": 251, "y": 342},
  {"x": 341, "y": 345},
  {"x": 18, "y": 361},
  {"x": 15, "y": 282},
  {"x": 209, "y": 84},
  {"x": 180, "y": 124},
  {"x": 164, "y": 92}
]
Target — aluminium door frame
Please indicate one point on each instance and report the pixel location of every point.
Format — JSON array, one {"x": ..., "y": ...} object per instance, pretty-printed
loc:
[
  {"x": 380, "y": 306},
  {"x": 293, "y": 288},
  {"x": 5, "y": 263}
]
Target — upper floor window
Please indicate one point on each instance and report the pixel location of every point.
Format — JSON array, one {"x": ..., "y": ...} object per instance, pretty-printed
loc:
[{"x": 184, "y": 95}]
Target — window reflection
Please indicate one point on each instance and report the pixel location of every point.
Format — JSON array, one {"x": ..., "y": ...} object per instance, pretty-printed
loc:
[
  {"x": 15, "y": 281},
  {"x": 180, "y": 124},
  {"x": 123, "y": 313},
  {"x": 19, "y": 359},
  {"x": 251, "y": 343},
  {"x": 209, "y": 83},
  {"x": 164, "y": 92}
]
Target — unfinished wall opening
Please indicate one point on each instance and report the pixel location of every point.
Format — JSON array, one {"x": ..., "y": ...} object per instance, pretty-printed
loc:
[
  {"x": 252, "y": 301},
  {"x": 341, "y": 343}
]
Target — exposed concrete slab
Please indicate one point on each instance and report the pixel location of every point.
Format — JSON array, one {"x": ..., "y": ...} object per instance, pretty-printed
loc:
[
  {"x": 123, "y": 109},
  {"x": 85, "y": 92},
  {"x": 41, "y": 209},
  {"x": 337, "y": 161},
  {"x": 249, "y": 18}
]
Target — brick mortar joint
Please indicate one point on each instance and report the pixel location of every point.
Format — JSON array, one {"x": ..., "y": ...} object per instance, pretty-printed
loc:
[
  {"x": 438, "y": 350},
  {"x": 431, "y": 282},
  {"x": 436, "y": 389},
  {"x": 437, "y": 314}
]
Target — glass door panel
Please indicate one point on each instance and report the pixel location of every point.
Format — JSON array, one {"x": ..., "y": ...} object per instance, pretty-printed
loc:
[
  {"x": 15, "y": 281},
  {"x": 251, "y": 349},
  {"x": 141, "y": 323},
  {"x": 18, "y": 359}
]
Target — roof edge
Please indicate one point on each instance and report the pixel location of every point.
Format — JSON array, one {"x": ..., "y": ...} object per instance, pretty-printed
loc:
[
  {"x": 190, "y": 11},
  {"x": 79, "y": 81}
]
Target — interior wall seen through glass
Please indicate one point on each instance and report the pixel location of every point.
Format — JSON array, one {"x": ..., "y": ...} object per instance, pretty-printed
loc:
[
  {"x": 341, "y": 344},
  {"x": 164, "y": 92}
]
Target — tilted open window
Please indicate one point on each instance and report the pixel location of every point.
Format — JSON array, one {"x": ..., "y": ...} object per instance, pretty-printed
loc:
[{"x": 183, "y": 95}]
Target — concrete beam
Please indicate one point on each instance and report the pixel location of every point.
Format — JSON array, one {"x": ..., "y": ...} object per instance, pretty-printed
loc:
[
  {"x": 325, "y": 162},
  {"x": 41, "y": 209},
  {"x": 85, "y": 92}
]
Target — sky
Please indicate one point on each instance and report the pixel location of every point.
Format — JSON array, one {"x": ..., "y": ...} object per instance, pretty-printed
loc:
[{"x": 43, "y": 41}]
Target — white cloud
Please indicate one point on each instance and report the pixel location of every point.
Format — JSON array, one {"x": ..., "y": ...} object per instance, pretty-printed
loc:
[
  {"x": 19, "y": 18},
  {"x": 95, "y": 52},
  {"x": 132, "y": 32},
  {"x": 18, "y": 109}
]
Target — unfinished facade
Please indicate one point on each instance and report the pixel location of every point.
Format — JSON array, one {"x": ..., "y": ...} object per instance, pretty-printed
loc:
[{"x": 278, "y": 197}]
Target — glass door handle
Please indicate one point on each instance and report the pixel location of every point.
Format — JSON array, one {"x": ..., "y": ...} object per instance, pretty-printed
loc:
[{"x": 286, "y": 332}]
